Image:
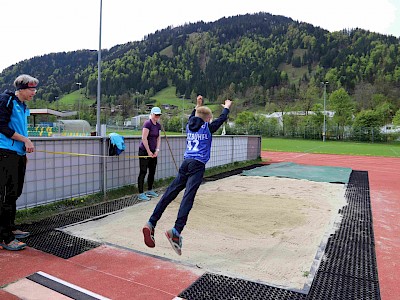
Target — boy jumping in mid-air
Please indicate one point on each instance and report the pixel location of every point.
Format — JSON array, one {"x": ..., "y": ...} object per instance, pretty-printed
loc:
[{"x": 199, "y": 132}]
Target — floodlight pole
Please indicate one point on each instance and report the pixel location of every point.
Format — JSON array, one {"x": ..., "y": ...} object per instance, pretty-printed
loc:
[
  {"x": 137, "y": 103},
  {"x": 98, "y": 130},
  {"x": 325, "y": 83},
  {"x": 79, "y": 99},
  {"x": 183, "y": 113}
]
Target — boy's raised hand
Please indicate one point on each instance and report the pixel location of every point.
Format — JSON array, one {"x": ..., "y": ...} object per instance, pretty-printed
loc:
[
  {"x": 227, "y": 104},
  {"x": 199, "y": 101}
]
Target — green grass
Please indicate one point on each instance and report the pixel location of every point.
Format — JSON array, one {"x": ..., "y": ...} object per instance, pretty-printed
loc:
[
  {"x": 331, "y": 147},
  {"x": 294, "y": 74},
  {"x": 168, "y": 96},
  {"x": 167, "y": 52},
  {"x": 75, "y": 97}
]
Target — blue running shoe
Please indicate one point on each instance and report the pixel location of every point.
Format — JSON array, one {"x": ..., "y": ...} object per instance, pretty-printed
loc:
[
  {"x": 151, "y": 194},
  {"x": 143, "y": 197},
  {"x": 14, "y": 245},
  {"x": 19, "y": 234},
  {"x": 175, "y": 240}
]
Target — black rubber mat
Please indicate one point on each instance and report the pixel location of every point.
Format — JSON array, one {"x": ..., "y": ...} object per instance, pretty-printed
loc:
[
  {"x": 60, "y": 244},
  {"x": 348, "y": 269},
  {"x": 219, "y": 287}
]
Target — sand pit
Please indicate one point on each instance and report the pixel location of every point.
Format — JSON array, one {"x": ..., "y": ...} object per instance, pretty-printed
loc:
[{"x": 264, "y": 229}]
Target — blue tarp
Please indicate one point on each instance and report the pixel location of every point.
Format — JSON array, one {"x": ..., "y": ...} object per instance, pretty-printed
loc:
[{"x": 293, "y": 170}]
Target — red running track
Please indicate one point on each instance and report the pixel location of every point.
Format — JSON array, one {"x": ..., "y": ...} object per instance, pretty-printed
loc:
[
  {"x": 111, "y": 272},
  {"x": 121, "y": 274},
  {"x": 384, "y": 182}
]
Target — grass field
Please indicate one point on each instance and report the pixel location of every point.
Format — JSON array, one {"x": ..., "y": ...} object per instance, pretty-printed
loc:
[
  {"x": 76, "y": 97},
  {"x": 331, "y": 147},
  {"x": 168, "y": 96}
]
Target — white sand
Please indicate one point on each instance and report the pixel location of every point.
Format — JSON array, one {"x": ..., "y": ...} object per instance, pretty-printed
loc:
[{"x": 264, "y": 229}]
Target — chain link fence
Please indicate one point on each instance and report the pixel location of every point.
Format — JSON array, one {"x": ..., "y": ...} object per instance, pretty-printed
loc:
[{"x": 348, "y": 133}]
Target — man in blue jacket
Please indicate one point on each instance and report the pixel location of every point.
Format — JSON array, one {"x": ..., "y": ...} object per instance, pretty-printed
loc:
[
  {"x": 14, "y": 144},
  {"x": 199, "y": 132}
]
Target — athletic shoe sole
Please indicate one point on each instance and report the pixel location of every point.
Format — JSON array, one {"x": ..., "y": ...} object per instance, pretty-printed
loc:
[
  {"x": 147, "y": 237},
  {"x": 5, "y": 247},
  {"x": 22, "y": 235},
  {"x": 174, "y": 245},
  {"x": 150, "y": 195}
]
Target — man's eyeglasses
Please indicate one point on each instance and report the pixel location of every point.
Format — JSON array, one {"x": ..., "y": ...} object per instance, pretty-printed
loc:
[
  {"x": 158, "y": 115},
  {"x": 32, "y": 89}
]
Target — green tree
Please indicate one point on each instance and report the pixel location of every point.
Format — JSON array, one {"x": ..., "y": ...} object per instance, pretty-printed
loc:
[
  {"x": 248, "y": 122},
  {"x": 343, "y": 106},
  {"x": 396, "y": 118},
  {"x": 309, "y": 96},
  {"x": 368, "y": 118},
  {"x": 366, "y": 125},
  {"x": 173, "y": 123},
  {"x": 385, "y": 111}
]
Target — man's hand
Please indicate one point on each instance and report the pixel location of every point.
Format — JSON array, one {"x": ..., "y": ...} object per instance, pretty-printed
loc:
[
  {"x": 29, "y": 147},
  {"x": 199, "y": 101},
  {"x": 227, "y": 104}
]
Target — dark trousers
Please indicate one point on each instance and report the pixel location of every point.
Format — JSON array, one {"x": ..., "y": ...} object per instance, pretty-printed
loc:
[
  {"x": 12, "y": 175},
  {"x": 144, "y": 164},
  {"x": 190, "y": 176}
]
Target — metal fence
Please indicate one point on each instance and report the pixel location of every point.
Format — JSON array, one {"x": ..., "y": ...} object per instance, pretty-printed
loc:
[
  {"x": 52, "y": 176},
  {"x": 348, "y": 133}
]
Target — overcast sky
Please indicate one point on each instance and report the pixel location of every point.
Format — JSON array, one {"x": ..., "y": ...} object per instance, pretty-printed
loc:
[{"x": 32, "y": 28}]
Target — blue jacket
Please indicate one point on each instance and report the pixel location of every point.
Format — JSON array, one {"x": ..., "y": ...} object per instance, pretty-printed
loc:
[
  {"x": 13, "y": 118},
  {"x": 117, "y": 141},
  {"x": 199, "y": 136}
]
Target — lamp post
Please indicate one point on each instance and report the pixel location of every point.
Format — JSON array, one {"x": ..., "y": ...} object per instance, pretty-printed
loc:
[
  {"x": 55, "y": 100},
  {"x": 137, "y": 102},
  {"x": 79, "y": 100},
  {"x": 183, "y": 112},
  {"x": 325, "y": 83},
  {"x": 98, "y": 130},
  {"x": 137, "y": 122}
]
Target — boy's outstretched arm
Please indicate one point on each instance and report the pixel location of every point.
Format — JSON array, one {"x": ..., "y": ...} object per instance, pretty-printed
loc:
[
  {"x": 214, "y": 125},
  {"x": 198, "y": 104}
]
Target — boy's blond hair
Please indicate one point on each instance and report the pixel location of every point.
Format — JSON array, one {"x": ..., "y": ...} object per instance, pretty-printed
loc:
[{"x": 204, "y": 113}]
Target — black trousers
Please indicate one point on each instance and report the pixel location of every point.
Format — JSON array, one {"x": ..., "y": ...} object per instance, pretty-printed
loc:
[
  {"x": 12, "y": 175},
  {"x": 189, "y": 177},
  {"x": 144, "y": 165}
]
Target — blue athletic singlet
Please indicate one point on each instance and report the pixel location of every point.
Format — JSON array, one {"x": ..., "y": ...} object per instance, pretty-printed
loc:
[{"x": 198, "y": 144}]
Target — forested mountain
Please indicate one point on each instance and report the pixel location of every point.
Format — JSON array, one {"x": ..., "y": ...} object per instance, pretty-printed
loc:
[{"x": 265, "y": 60}]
